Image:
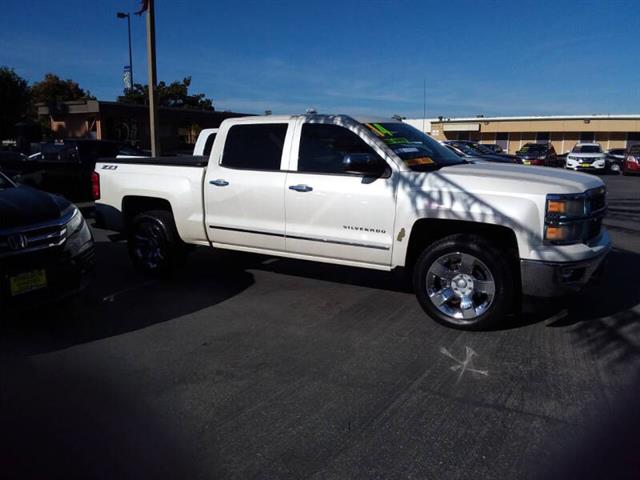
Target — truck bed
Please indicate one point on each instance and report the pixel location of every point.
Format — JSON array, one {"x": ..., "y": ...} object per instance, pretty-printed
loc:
[{"x": 177, "y": 161}]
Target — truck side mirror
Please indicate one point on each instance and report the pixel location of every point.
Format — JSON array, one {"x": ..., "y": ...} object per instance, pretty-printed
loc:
[{"x": 364, "y": 164}]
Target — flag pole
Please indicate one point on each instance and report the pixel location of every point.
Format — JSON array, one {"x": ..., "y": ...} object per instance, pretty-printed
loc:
[{"x": 151, "y": 65}]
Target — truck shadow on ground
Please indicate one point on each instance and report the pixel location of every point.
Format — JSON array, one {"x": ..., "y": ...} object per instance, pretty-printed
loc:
[
  {"x": 605, "y": 318},
  {"x": 121, "y": 300}
]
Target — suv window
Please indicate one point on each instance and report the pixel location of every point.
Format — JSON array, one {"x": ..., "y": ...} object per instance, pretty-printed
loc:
[
  {"x": 323, "y": 147},
  {"x": 634, "y": 150},
  {"x": 254, "y": 147}
]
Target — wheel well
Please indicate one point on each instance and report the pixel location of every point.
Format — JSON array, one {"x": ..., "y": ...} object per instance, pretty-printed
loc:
[
  {"x": 426, "y": 231},
  {"x": 133, "y": 206}
]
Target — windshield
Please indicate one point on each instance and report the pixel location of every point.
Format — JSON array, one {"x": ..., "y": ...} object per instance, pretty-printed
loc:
[
  {"x": 587, "y": 149},
  {"x": 4, "y": 182},
  {"x": 419, "y": 151},
  {"x": 533, "y": 148}
]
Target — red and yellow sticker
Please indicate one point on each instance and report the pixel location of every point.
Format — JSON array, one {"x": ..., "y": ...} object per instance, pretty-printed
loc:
[{"x": 419, "y": 161}]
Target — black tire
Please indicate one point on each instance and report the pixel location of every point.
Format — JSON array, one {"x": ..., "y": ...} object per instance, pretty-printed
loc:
[
  {"x": 500, "y": 275},
  {"x": 154, "y": 244}
]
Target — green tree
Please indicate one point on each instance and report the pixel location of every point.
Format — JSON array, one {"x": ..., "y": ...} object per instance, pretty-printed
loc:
[
  {"x": 14, "y": 101},
  {"x": 52, "y": 89},
  {"x": 175, "y": 94}
]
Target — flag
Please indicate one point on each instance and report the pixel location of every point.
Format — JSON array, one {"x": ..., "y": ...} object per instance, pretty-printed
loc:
[
  {"x": 126, "y": 76},
  {"x": 144, "y": 6}
]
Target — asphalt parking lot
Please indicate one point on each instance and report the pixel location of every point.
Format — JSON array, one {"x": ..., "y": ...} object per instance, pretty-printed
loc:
[{"x": 245, "y": 366}]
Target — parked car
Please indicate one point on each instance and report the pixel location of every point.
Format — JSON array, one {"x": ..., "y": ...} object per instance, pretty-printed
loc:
[
  {"x": 468, "y": 157},
  {"x": 376, "y": 194},
  {"x": 495, "y": 148},
  {"x": 632, "y": 160},
  {"x": 65, "y": 168},
  {"x": 615, "y": 159},
  {"x": 587, "y": 157},
  {"x": 485, "y": 150},
  {"x": 46, "y": 247},
  {"x": 474, "y": 151},
  {"x": 541, "y": 154}
]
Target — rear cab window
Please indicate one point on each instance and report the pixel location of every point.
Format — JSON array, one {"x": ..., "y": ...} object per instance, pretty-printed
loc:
[{"x": 254, "y": 146}]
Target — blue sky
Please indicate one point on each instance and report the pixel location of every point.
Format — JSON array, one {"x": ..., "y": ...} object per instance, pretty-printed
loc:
[{"x": 477, "y": 57}]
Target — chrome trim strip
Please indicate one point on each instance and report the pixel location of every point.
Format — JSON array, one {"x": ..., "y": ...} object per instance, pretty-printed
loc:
[
  {"x": 14, "y": 253},
  {"x": 339, "y": 242},
  {"x": 60, "y": 222},
  {"x": 310, "y": 239},
  {"x": 272, "y": 234}
]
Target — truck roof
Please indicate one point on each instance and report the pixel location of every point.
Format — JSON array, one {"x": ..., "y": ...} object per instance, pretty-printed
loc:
[{"x": 315, "y": 116}]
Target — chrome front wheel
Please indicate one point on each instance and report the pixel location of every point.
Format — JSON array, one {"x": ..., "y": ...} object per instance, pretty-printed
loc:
[
  {"x": 464, "y": 281},
  {"x": 460, "y": 286}
]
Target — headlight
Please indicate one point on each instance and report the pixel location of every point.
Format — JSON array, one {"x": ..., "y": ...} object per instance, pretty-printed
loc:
[
  {"x": 563, "y": 206},
  {"x": 574, "y": 218},
  {"x": 570, "y": 233},
  {"x": 75, "y": 222},
  {"x": 78, "y": 233},
  {"x": 561, "y": 214}
]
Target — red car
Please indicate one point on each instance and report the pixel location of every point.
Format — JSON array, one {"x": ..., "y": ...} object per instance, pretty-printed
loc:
[{"x": 632, "y": 160}]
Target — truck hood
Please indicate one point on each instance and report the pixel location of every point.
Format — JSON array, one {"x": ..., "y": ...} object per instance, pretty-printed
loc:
[
  {"x": 21, "y": 206},
  {"x": 511, "y": 178}
]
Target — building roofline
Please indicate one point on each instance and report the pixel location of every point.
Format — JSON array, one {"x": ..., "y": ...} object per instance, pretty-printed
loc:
[{"x": 635, "y": 116}]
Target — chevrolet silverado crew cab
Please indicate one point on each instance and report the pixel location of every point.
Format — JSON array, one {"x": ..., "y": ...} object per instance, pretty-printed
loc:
[{"x": 371, "y": 193}]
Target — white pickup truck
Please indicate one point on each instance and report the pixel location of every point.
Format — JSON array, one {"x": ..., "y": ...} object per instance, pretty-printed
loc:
[{"x": 371, "y": 193}]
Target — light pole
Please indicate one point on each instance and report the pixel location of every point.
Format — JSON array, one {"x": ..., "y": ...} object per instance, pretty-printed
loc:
[{"x": 126, "y": 15}]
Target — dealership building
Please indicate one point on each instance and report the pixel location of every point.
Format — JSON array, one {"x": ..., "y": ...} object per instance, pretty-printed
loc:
[{"x": 611, "y": 131}]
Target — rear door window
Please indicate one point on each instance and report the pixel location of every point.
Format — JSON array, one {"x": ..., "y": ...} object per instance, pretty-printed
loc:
[{"x": 254, "y": 147}]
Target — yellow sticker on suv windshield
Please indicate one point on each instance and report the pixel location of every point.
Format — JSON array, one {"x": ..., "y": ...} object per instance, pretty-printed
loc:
[{"x": 419, "y": 161}]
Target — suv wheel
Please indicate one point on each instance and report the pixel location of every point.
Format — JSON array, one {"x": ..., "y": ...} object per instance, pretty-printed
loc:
[
  {"x": 462, "y": 281},
  {"x": 154, "y": 244}
]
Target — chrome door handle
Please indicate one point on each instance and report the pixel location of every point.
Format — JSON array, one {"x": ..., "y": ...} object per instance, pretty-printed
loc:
[
  {"x": 219, "y": 182},
  {"x": 300, "y": 188}
]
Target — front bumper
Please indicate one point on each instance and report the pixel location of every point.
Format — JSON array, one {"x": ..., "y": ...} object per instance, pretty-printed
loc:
[
  {"x": 558, "y": 278},
  {"x": 583, "y": 167},
  {"x": 66, "y": 275}
]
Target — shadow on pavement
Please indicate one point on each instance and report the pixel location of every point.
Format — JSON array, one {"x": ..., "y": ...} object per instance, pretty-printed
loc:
[
  {"x": 605, "y": 318},
  {"x": 121, "y": 300},
  {"x": 68, "y": 423}
]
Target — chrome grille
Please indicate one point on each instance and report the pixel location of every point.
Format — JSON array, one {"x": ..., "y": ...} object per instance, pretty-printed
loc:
[
  {"x": 31, "y": 238},
  {"x": 596, "y": 200}
]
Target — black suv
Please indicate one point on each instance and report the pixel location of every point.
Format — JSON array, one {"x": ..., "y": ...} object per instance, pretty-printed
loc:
[
  {"x": 46, "y": 247},
  {"x": 615, "y": 159},
  {"x": 542, "y": 154}
]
